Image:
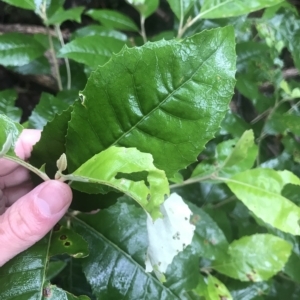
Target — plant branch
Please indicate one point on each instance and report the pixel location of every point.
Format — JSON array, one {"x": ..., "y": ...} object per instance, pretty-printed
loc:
[
  {"x": 143, "y": 31},
  {"x": 28, "y": 166},
  {"x": 62, "y": 43},
  {"x": 54, "y": 60},
  {"x": 193, "y": 180},
  {"x": 181, "y": 18}
]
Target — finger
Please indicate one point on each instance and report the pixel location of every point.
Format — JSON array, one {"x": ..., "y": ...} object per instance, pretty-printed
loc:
[
  {"x": 23, "y": 148},
  {"x": 18, "y": 176},
  {"x": 15, "y": 193},
  {"x": 32, "y": 217}
]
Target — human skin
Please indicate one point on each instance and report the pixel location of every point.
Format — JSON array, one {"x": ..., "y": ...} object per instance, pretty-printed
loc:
[{"x": 28, "y": 213}]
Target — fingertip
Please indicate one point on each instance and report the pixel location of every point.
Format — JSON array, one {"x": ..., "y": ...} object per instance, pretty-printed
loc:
[{"x": 27, "y": 139}]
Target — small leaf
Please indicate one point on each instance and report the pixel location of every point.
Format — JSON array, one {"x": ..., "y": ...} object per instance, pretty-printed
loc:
[
  {"x": 9, "y": 134},
  {"x": 17, "y": 49},
  {"x": 212, "y": 9},
  {"x": 260, "y": 190},
  {"x": 181, "y": 7},
  {"x": 112, "y": 19},
  {"x": 46, "y": 110},
  {"x": 144, "y": 7},
  {"x": 104, "y": 167},
  {"x": 61, "y": 15},
  {"x": 255, "y": 258},
  {"x": 168, "y": 236},
  {"x": 91, "y": 50},
  {"x": 7, "y": 105},
  {"x": 65, "y": 240}
]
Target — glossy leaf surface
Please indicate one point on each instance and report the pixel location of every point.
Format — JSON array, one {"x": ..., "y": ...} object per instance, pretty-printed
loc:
[
  {"x": 104, "y": 168},
  {"x": 212, "y": 9},
  {"x": 156, "y": 98},
  {"x": 255, "y": 258},
  {"x": 117, "y": 251},
  {"x": 91, "y": 50},
  {"x": 17, "y": 49},
  {"x": 112, "y": 19},
  {"x": 260, "y": 189},
  {"x": 7, "y": 105},
  {"x": 61, "y": 15}
]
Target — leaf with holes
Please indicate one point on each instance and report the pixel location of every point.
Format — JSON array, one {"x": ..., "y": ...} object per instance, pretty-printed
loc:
[{"x": 163, "y": 98}]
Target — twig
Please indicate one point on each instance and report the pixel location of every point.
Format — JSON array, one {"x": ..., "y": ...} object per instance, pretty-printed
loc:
[
  {"x": 143, "y": 31},
  {"x": 62, "y": 43}
]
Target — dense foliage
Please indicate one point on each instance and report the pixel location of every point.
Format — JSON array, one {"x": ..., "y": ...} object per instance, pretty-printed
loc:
[{"x": 186, "y": 141}]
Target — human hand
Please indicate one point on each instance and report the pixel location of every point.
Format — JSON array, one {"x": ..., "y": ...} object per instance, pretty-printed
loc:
[{"x": 27, "y": 214}]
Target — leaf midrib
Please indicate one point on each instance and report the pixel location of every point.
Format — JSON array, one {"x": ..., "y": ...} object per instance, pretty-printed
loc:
[
  {"x": 84, "y": 224},
  {"x": 164, "y": 100}
]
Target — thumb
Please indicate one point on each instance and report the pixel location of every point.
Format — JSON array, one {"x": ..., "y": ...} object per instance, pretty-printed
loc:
[{"x": 32, "y": 217}]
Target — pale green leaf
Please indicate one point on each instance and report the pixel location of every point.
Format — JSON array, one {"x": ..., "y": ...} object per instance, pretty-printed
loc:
[
  {"x": 61, "y": 15},
  {"x": 91, "y": 50},
  {"x": 144, "y": 7},
  {"x": 181, "y": 7},
  {"x": 212, "y": 9},
  {"x": 17, "y": 49},
  {"x": 169, "y": 235},
  {"x": 157, "y": 98},
  {"x": 112, "y": 19},
  {"x": 255, "y": 258},
  {"x": 9, "y": 134},
  {"x": 110, "y": 168},
  {"x": 260, "y": 190},
  {"x": 7, "y": 105}
]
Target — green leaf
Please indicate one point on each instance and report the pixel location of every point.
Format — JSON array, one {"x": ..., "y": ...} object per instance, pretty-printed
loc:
[
  {"x": 144, "y": 7},
  {"x": 232, "y": 157},
  {"x": 100, "y": 31},
  {"x": 52, "y": 143},
  {"x": 212, "y": 9},
  {"x": 54, "y": 268},
  {"x": 104, "y": 167},
  {"x": 36, "y": 67},
  {"x": 212, "y": 289},
  {"x": 26, "y": 4},
  {"x": 259, "y": 189},
  {"x": 65, "y": 240},
  {"x": 181, "y": 7},
  {"x": 117, "y": 239},
  {"x": 25, "y": 276},
  {"x": 156, "y": 98},
  {"x": 46, "y": 110},
  {"x": 17, "y": 49},
  {"x": 9, "y": 134},
  {"x": 209, "y": 240},
  {"x": 112, "y": 19},
  {"x": 255, "y": 258},
  {"x": 61, "y": 15},
  {"x": 169, "y": 235},
  {"x": 91, "y": 50},
  {"x": 7, "y": 105}
]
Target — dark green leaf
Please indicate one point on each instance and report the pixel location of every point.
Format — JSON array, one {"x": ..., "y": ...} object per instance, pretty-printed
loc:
[
  {"x": 181, "y": 7},
  {"x": 144, "y": 7},
  {"x": 122, "y": 108},
  {"x": 91, "y": 50},
  {"x": 17, "y": 49},
  {"x": 112, "y": 19},
  {"x": 7, "y": 105},
  {"x": 26, "y": 4},
  {"x": 61, "y": 15}
]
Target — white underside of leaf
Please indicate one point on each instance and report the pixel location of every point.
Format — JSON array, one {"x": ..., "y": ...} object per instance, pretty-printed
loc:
[{"x": 168, "y": 236}]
